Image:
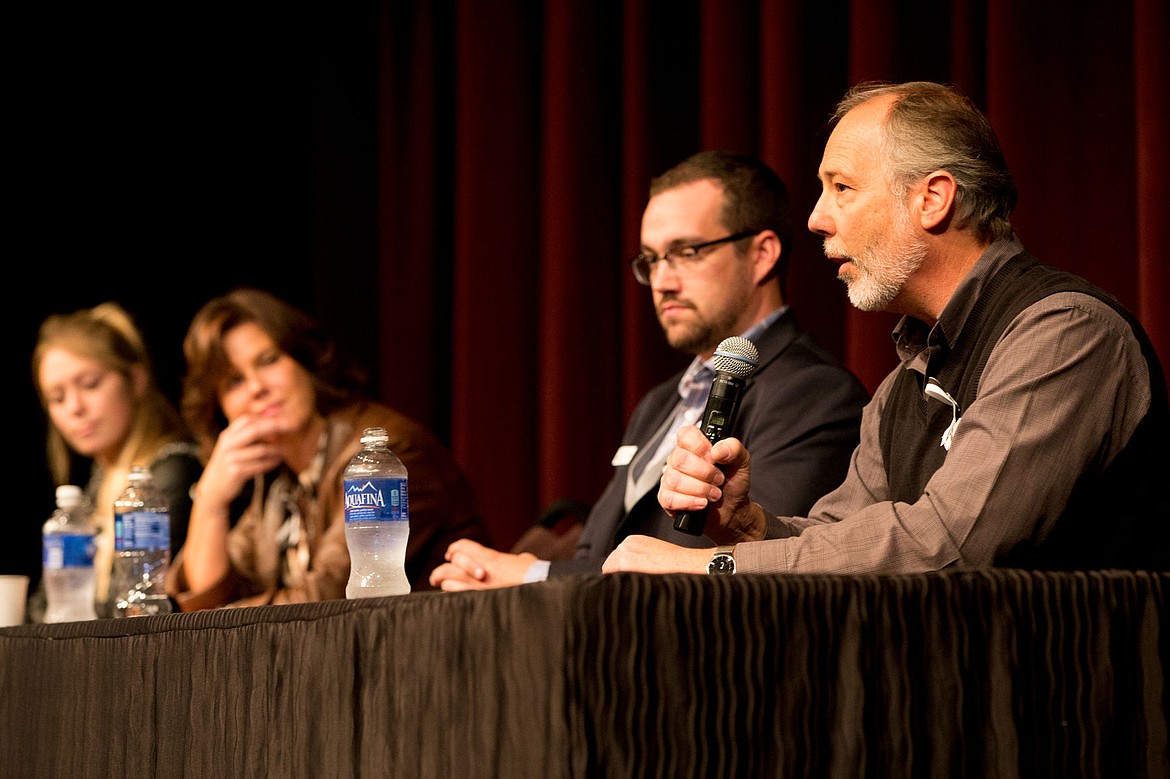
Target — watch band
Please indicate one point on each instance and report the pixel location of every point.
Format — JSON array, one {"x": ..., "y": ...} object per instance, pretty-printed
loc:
[{"x": 722, "y": 561}]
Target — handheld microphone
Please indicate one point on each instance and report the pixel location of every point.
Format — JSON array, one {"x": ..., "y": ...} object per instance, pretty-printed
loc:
[{"x": 735, "y": 361}]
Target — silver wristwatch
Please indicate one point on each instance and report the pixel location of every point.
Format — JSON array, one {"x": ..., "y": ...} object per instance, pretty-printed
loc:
[{"x": 722, "y": 562}]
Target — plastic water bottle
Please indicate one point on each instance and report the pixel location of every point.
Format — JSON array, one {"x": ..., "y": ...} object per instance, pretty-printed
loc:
[
  {"x": 377, "y": 519},
  {"x": 67, "y": 559},
  {"x": 142, "y": 549}
]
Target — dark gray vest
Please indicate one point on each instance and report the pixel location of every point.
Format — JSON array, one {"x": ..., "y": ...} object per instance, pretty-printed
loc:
[{"x": 1118, "y": 517}]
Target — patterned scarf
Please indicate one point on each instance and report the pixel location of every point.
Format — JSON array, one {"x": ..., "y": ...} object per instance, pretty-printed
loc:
[{"x": 286, "y": 506}]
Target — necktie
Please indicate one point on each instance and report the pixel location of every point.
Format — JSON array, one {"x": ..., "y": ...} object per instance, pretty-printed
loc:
[{"x": 647, "y": 467}]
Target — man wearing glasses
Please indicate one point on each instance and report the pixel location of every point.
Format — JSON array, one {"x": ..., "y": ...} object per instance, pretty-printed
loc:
[
  {"x": 716, "y": 235},
  {"x": 1026, "y": 423}
]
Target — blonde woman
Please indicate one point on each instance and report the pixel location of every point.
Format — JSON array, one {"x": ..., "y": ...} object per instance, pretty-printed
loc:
[{"x": 94, "y": 378}]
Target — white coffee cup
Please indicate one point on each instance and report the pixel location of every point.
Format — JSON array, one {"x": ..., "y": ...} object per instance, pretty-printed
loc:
[{"x": 13, "y": 594}]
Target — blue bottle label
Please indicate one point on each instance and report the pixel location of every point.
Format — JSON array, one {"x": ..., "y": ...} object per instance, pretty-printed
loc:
[
  {"x": 382, "y": 499},
  {"x": 72, "y": 551},
  {"x": 148, "y": 530}
]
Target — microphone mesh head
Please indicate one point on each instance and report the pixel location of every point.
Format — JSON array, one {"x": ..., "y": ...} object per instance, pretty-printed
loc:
[{"x": 737, "y": 356}]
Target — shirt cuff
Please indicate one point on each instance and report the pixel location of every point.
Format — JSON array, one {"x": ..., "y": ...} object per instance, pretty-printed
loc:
[{"x": 537, "y": 572}]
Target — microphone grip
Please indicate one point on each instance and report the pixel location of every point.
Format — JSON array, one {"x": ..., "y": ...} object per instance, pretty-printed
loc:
[
  {"x": 691, "y": 522},
  {"x": 718, "y": 418}
]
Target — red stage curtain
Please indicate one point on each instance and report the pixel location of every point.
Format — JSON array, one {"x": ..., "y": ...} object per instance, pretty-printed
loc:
[{"x": 516, "y": 140}]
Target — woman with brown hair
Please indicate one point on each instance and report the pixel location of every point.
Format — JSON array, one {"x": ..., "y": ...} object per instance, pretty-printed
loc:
[{"x": 277, "y": 417}]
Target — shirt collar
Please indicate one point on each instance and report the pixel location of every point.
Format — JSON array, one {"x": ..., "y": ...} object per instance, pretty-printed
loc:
[
  {"x": 916, "y": 343},
  {"x": 704, "y": 370}
]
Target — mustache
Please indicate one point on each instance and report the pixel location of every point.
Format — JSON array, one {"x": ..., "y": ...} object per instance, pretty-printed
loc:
[
  {"x": 670, "y": 298},
  {"x": 834, "y": 253}
]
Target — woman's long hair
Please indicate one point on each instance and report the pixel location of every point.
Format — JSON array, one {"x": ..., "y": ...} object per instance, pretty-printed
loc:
[
  {"x": 335, "y": 381},
  {"x": 107, "y": 334}
]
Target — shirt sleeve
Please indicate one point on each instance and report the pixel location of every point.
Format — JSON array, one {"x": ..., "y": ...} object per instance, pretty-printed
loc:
[
  {"x": 1060, "y": 395},
  {"x": 174, "y": 476}
]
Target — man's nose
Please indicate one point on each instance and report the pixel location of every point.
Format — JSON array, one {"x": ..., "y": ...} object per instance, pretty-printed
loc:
[
  {"x": 819, "y": 222},
  {"x": 663, "y": 276}
]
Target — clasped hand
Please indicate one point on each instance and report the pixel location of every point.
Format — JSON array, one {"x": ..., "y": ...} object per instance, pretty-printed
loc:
[
  {"x": 248, "y": 446},
  {"x": 473, "y": 566}
]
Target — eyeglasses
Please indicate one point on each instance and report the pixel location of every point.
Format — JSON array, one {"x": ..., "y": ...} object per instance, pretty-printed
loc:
[{"x": 679, "y": 257}]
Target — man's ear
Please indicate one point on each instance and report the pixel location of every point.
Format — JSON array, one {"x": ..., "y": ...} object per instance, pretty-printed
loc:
[
  {"x": 937, "y": 200},
  {"x": 765, "y": 253}
]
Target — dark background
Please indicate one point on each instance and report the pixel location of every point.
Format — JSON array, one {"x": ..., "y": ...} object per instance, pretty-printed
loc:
[{"x": 162, "y": 159}]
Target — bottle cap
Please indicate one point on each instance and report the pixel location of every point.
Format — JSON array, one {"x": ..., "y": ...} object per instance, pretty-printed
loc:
[
  {"x": 68, "y": 496},
  {"x": 374, "y": 434}
]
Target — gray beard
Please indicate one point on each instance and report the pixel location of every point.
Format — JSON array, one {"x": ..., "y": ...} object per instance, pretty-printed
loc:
[{"x": 880, "y": 274}]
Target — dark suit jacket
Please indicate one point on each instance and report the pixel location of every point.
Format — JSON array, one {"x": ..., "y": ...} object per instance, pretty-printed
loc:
[{"x": 799, "y": 416}]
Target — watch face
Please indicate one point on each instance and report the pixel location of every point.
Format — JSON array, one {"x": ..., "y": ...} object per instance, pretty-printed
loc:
[{"x": 721, "y": 564}]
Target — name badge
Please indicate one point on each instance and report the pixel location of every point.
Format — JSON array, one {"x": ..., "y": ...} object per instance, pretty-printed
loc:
[{"x": 624, "y": 455}]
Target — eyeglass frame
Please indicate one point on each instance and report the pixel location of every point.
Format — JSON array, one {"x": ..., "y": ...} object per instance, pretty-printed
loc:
[{"x": 683, "y": 254}]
